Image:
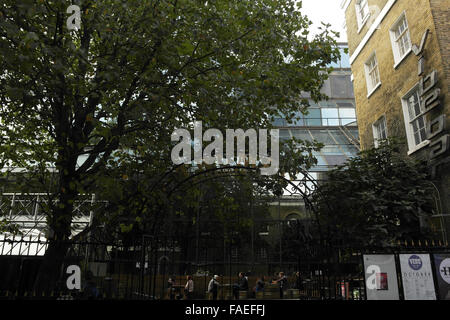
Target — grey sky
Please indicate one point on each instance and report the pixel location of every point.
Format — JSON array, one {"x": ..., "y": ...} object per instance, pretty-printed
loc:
[{"x": 328, "y": 11}]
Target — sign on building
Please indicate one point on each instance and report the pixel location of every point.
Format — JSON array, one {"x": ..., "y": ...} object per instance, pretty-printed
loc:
[
  {"x": 380, "y": 275},
  {"x": 429, "y": 100},
  {"x": 442, "y": 266},
  {"x": 417, "y": 277}
]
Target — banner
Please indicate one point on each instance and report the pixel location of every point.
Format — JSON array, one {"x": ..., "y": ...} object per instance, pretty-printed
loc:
[
  {"x": 380, "y": 276},
  {"x": 417, "y": 277},
  {"x": 442, "y": 265}
]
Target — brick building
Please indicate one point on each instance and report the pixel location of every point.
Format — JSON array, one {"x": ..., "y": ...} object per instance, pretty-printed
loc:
[{"x": 400, "y": 61}]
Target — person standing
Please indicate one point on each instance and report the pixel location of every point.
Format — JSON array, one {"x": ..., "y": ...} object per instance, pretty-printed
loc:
[
  {"x": 90, "y": 290},
  {"x": 282, "y": 281},
  {"x": 298, "y": 281},
  {"x": 171, "y": 288},
  {"x": 189, "y": 288},
  {"x": 213, "y": 286},
  {"x": 242, "y": 285}
]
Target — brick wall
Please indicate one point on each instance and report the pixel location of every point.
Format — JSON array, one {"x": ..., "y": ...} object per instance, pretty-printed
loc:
[
  {"x": 396, "y": 82},
  {"x": 355, "y": 37},
  {"x": 441, "y": 15}
]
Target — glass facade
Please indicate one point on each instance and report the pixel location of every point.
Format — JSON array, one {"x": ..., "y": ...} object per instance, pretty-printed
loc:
[
  {"x": 337, "y": 146},
  {"x": 331, "y": 122},
  {"x": 344, "y": 62},
  {"x": 331, "y": 114}
]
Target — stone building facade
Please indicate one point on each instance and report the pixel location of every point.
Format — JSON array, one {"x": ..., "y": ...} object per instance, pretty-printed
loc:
[{"x": 399, "y": 55}]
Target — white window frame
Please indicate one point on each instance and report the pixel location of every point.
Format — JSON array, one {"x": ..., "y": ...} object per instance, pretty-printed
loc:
[
  {"x": 371, "y": 87},
  {"x": 412, "y": 146},
  {"x": 398, "y": 57},
  {"x": 381, "y": 122},
  {"x": 362, "y": 20}
]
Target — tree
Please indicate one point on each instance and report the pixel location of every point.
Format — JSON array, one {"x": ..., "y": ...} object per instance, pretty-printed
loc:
[
  {"x": 376, "y": 198},
  {"x": 81, "y": 101}
]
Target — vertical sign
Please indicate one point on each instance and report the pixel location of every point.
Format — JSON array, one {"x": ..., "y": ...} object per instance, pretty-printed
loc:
[
  {"x": 442, "y": 265},
  {"x": 417, "y": 277},
  {"x": 380, "y": 276}
]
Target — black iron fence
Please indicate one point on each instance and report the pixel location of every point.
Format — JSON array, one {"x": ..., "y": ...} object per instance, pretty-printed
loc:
[{"x": 141, "y": 269}]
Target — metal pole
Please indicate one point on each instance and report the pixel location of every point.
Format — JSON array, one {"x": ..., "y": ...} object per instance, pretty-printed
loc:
[
  {"x": 91, "y": 219},
  {"x": 141, "y": 282},
  {"x": 280, "y": 230},
  {"x": 252, "y": 231},
  {"x": 197, "y": 236}
]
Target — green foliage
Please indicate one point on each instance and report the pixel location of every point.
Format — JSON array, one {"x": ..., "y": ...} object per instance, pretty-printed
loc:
[
  {"x": 99, "y": 104},
  {"x": 376, "y": 198},
  {"x": 9, "y": 227}
]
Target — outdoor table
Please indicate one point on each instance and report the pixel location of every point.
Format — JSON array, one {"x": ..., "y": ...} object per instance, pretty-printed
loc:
[{"x": 226, "y": 291}]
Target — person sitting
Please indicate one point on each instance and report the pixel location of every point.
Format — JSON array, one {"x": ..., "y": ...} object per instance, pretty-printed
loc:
[{"x": 259, "y": 285}]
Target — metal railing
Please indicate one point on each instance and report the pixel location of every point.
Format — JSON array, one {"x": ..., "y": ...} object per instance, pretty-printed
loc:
[{"x": 140, "y": 269}]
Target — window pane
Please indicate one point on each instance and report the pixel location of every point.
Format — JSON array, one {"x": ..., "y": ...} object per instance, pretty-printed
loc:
[
  {"x": 417, "y": 138},
  {"x": 320, "y": 159},
  {"x": 414, "y": 105},
  {"x": 347, "y": 113},
  {"x": 421, "y": 123},
  {"x": 340, "y": 137},
  {"x": 419, "y": 130},
  {"x": 383, "y": 134},
  {"x": 345, "y": 104},
  {"x": 327, "y": 104},
  {"x": 330, "y": 117},
  {"x": 333, "y": 122},
  {"x": 312, "y": 104},
  {"x": 423, "y": 134},
  {"x": 297, "y": 120},
  {"x": 339, "y": 87},
  {"x": 301, "y": 134},
  {"x": 313, "y": 114},
  {"x": 374, "y": 76},
  {"x": 363, "y": 9},
  {"x": 330, "y": 113},
  {"x": 326, "y": 88},
  {"x": 313, "y": 118},
  {"x": 331, "y": 150},
  {"x": 323, "y": 136},
  {"x": 278, "y": 122},
  {"x": 284, "y": 135},
  {"x": 380, "y": 129}
]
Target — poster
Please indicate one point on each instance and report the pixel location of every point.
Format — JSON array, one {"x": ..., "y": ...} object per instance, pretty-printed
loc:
[
  {"x": 417, "y": 277},
  {"x": 381, "y": 277},
  {"x": 442, "y": 265}
]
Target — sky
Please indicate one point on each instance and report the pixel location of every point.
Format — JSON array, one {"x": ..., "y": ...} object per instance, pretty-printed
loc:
[{"x": 328, "y": 11}]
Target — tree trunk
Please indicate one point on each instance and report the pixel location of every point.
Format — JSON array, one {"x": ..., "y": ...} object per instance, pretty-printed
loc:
[{"x": 50, "y": 276}]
